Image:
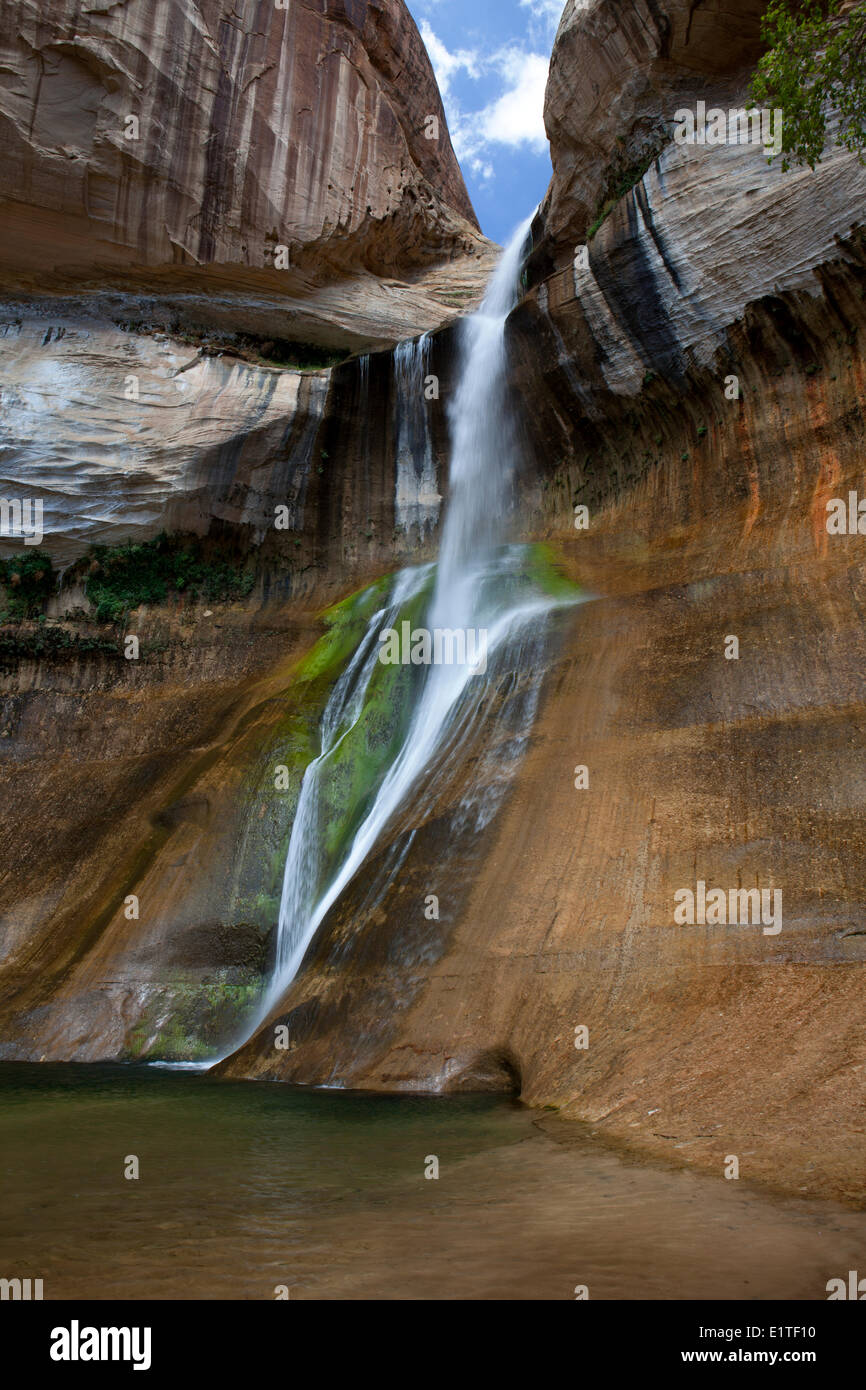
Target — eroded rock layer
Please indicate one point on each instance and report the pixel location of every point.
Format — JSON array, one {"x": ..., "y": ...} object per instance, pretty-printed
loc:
[
  {"x": 618, "y": 73},
  {"x": 699, "y": 387},
  {"x": 707, "y": 520},
  {"x": 190, "y": 134}
]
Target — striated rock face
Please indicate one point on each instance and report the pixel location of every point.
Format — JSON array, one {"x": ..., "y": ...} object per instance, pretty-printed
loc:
[
  {"x": 124, "y": 434},
  {"x": 166, "y": 768},
  {"x": 254, "y": 127},
  {"x": 707, "y": 518},
  {"x": 618, "y": 72},
  {"x": 108, "y": 465},
  {"x": 698, "y": 231},
  {"x": 133, "y": 269},
  {"x": 703, "y": 234}
]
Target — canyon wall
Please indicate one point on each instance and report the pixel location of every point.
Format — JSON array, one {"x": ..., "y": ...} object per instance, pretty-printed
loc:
[
  {"x": 182, "y": 141},
  {"x": 160, "y": 373},
  {"x": 158, "y": 358},
  {"x": 618, "y": 73},
  {"x": 696, "y": 381}
]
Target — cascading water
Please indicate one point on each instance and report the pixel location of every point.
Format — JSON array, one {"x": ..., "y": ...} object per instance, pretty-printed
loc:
[
  {"x": 416, "y": 496},
  {"x": 480, "y": 585},
  {"x": 306, "y": 859},
  {"x": 482, "y": 450}
]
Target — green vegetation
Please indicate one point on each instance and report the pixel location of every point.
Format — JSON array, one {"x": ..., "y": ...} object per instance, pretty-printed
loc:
[
  {"x": 354, "y": 772},
  {"x": 118, "y": 579},
  {"x": 815, "y": 62},
  {"x": 28, "y": 583},
  {"x": 346, "y": 623},
  {"x": 187, "y": 1019},
  {"x": 365, "y": 746},
  {"x": 295, "y": 742},
  {"x": 351, "y": 776},
  {"x": 623, "y": 175},
  {"x": 122, "y": 577}
]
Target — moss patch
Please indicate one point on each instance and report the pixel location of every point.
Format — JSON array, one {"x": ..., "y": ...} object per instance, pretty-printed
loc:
[
  {"x": 349, "y": 778},
  {"x": 545, "y": 570},
  {"x": 624, "y": 173},
  {"x": 188, "y": 1021}
]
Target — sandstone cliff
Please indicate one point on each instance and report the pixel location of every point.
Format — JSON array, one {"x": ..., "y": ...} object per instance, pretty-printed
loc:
[
  {"x": 617, "y": 73},
  {"x": 707, "y": 518},
  {"x": 147, "y": 337},
  {"x": 254, "y": 124},
  {"x": 175, "y": 146}
]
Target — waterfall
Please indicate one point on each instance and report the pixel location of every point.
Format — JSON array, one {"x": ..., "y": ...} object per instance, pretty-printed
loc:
[
  {"x": 482, "y": 448},
  {"x": 416, "y": 498},
  {"x": 302, "y": 880},
  {"x": 480, "y": 584}
]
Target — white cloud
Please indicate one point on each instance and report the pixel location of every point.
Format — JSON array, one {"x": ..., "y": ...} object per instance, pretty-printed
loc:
[
  {"x": 517, "y": 116},
  {"x": 544, "y": 15},
  {"x": 482, "y": 169},
  {"x": 513, "y": 118},
  {"x": 445, "y": 64}
]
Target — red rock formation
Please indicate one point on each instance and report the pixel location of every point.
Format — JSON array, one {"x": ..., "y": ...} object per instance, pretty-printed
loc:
[
  {"x": 254, "y": 127},
  {"x": 619, "y": 69},
  {"x": 708, "y": 518}
]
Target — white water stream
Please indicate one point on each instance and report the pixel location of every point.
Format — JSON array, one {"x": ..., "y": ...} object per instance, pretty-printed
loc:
[{"x": 476, "y": 587}]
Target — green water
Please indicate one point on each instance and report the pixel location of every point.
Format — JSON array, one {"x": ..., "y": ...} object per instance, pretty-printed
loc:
[{"x": 247, "y": 1186}]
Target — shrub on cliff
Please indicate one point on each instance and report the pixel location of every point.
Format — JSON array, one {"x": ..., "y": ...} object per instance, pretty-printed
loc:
[
  {"x": 123, "y": 577},
  {"x": 815, "y": 65},
  {"x": 27, "y": 580}
]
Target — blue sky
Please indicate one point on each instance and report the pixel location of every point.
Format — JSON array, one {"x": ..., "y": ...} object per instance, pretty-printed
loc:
[{"x": 491, "y": 58}]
